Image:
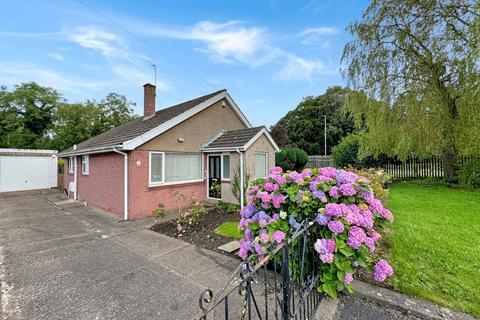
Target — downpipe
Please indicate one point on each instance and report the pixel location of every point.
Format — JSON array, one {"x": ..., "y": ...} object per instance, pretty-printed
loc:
[{"x": 241, "y": 177}]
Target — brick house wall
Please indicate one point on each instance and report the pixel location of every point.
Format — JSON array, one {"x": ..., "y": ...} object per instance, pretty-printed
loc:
[
  {"x": 144, "y": 199},
  {"x": 103, "y": 186}
]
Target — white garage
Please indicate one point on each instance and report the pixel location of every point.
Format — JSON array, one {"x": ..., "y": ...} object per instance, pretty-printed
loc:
[{"x": 26, "y": 169}]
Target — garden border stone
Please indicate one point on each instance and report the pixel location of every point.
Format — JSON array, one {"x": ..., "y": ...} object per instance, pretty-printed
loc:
[{"x": 404, "y": 303}]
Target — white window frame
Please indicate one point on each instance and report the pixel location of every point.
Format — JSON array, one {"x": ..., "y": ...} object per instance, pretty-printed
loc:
[
  {"x": 229, "y": 168},
  {"x": 87, "y": 167},
  {"x": 266, "y": 164},
  {"x": 163, "y": 183},
  {"x": 70, "y": 165}
]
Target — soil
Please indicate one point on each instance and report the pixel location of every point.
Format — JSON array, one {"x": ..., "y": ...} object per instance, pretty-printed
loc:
[{"x": 200, "y": 233}]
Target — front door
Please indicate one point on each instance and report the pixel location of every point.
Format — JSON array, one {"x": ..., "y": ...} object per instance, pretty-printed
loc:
[{"x": 214, "y": 177}]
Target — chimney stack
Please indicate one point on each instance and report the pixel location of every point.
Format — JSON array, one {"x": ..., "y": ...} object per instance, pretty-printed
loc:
[{"x": 148, "y": 100}]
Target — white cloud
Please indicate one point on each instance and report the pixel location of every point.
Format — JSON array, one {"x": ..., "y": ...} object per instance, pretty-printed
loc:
[
  {"x": 12, "y": 73},
  {"x": 298, "y": 68},
  {"x": 108, "y": 44},
  {"x": 56, "y": 56},
  {"x": 314, "y": 36},
  {"x": 226, "y": 42}
]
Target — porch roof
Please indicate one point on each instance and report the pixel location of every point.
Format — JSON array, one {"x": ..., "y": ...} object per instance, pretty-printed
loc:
[{"x": 237, "y": 139}]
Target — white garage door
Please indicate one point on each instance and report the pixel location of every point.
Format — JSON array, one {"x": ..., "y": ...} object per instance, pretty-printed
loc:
[{"x": 27, "y": 173}]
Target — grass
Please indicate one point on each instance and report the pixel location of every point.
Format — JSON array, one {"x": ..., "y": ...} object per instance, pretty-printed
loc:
[
  {"x": 434, "y": 244},
  {"x": 229, "y": 230}
]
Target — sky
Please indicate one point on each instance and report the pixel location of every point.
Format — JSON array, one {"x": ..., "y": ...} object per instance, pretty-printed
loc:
[{"x": 267, "y": 54}]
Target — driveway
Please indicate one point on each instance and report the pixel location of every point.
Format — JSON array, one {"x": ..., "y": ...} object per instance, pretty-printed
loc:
[{"x": 62, "y": 260}]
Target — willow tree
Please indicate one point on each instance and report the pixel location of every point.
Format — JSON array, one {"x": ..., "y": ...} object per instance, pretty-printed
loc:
[{"x": 417, "y": 65}]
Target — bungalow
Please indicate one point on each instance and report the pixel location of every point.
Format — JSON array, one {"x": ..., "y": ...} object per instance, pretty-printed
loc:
[{"x": 195, "y": 147}]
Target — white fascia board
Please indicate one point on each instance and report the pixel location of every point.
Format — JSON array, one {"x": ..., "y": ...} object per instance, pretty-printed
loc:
[
  {"x": 237, "y": 110},
  {"x": 258, "y": 135},
  {"x": 88, "y": 151},
  {"x": 138, "y": 141}
]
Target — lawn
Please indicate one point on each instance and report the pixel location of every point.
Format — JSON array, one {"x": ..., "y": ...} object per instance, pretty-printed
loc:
[
  {"x": 230, "y": 230},
  {"x": 434, "y": 244}
]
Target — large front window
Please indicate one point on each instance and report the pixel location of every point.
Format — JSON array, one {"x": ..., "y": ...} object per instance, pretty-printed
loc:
[{"x": 175, "y": 167}]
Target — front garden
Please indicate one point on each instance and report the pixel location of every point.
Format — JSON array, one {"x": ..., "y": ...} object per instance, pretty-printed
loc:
[{"x": 433, "y": 244}]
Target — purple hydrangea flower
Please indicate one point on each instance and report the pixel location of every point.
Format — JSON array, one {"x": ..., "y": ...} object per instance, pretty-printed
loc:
[
  {"x": 382, "y": 270},
  {"x": 347, "y": 189},
  {"x": 323, "y": 219},
  {"x": 356, "y": 236},
  {"x": 248, "y": 210},
  {"x": 336, "y": 226},
  {"x": 348, "y": 278},
  {"x": 346, "y": 177},
  {"x": 294, "y": 223},
  {"x": 270, "y": 187}
]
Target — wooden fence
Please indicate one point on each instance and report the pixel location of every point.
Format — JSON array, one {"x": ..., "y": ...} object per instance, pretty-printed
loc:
[
  {"x": 319, "y": 161},
  {"x": 431, "y": 167}
]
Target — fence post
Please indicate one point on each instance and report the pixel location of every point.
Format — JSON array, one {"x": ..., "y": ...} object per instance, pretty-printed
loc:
[{"x": 285, "y": 284}]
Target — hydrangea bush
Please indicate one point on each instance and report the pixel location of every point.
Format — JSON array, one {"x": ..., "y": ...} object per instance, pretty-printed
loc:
[{"x": 346, "y": 214}]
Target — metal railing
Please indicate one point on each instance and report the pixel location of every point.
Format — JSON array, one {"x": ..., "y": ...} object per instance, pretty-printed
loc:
[{"x": 283, "y": 285}]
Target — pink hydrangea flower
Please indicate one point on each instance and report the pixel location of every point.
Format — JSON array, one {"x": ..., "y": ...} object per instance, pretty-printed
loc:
[
  {"x": 276, "y": 170},
  {"x": 334, "y": 192},
  {"x": 278, "y": 236},
  {"x": 325, "y": 248},
  {"x": 382, "y": 270},
  {"x": 348, "y": 278},
  {"x": 333, "y": 209},
  {"x": 328, "y": 172},
  {"x": 270, "y": 187}
]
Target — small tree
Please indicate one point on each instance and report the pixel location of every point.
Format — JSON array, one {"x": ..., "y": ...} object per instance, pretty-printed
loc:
[
  {"x": 291, "y": 159},
  {"x": 346, "y": 152}
]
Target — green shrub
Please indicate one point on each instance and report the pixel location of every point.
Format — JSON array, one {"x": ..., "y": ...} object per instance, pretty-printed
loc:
[
  {"x": 469, "y": 174},
  {"x": 236, "y": 185},
  {"x": 231, "y": 208},
  {"x": 291, "y": 159},
  {"x": 346, "y": 152},
  {"x": 379, "y": 181},
  {"x": 159, "y": 212}
]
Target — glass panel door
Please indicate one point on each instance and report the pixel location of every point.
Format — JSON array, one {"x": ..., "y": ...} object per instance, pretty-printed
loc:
[{"x": 214, "y": 177}]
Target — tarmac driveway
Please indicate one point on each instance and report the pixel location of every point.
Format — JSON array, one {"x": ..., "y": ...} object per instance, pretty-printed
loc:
[{"x": 67, "y": 261}]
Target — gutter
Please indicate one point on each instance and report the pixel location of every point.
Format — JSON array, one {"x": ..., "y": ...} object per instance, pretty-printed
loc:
[
  {"x": 125, "y": 182},
  {"x": 87, "y": 151},
  {"x": 241, "y": 177}
]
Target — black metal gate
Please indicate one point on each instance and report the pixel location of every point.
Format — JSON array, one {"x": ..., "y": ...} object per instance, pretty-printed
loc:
[{"x": 281, "y": 286}]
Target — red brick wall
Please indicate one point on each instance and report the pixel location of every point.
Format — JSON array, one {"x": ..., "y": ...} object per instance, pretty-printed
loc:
[
  {"x": 103, "y": 187},
  {"x": 144, "y": 199}
]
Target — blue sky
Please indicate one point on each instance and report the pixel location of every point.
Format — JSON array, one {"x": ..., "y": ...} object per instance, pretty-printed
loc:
[{"x": 267, "y": 54}]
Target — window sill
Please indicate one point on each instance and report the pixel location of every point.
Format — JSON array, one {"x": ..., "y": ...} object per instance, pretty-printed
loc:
[{"x": 167, "y": 184}]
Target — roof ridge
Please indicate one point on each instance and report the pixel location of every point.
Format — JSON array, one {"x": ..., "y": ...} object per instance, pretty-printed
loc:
[{"x": 191, "y": 100}]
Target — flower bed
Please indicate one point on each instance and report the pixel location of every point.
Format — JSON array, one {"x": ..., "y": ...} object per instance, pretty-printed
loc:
[{"x": 347, "y": 214}]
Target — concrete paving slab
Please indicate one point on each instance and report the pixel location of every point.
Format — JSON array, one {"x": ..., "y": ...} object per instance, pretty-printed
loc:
[
  {"x": 66, "y": 201},
  {"x": 230, "y": 246},
  {"x": 150, "y": 243}
]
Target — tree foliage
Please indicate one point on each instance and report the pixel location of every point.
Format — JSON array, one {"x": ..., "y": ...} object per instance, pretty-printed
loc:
[
  {"x": 291, "y": 159},
  {"x": 417, "y": 63},
  {"x": 305, "y": 124},
  {"x": 280, "y": 136},
  {"x": 32, "y": 116}
]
